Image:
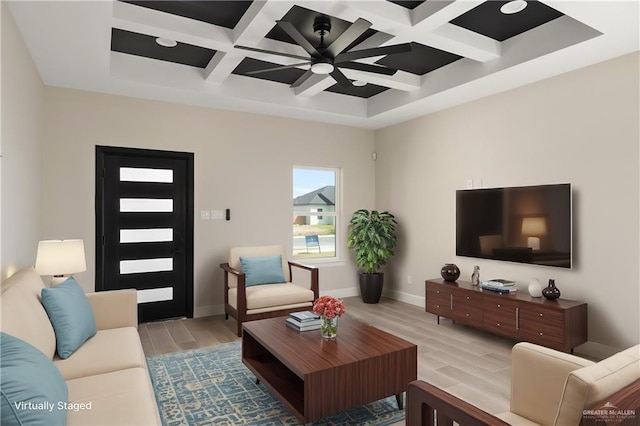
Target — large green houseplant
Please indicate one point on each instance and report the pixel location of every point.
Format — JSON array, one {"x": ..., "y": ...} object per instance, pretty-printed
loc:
[{"x": 372, "y": 235}]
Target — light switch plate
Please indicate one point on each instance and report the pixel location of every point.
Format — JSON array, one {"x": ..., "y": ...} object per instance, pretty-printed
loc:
[
  {"x": 217, "y": 214},
  {"x": 205, "y": 215}
]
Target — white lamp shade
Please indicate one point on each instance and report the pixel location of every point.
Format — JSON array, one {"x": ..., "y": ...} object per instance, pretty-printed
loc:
[
  {"x": 60, "y": 257},
  {"x": 534, "y": 226}
]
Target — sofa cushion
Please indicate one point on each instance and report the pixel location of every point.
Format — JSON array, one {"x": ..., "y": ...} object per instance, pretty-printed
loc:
[
  {"x": 70, "y": 314},
  {"x": 22, "y": 313},
  {"x": 589, "y": 385},
  {"x": 262, "y": 270},
  {"x": 267, "y": 296},
  {"x": 32, "y": 387},
  {"x": 107, "y": 351},
  {"x": 122, "y": 397}
]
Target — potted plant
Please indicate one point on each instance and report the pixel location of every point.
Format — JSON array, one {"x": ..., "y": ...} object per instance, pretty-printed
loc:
[{"x": 372, "y": 235}]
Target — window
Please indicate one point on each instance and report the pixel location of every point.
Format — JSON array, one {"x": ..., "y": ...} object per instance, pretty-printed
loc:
[{"x": 315, "y": 212}]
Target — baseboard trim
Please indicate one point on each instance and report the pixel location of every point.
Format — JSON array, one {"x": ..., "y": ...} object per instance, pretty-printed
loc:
[
  {"x": 404, "y": 297},
  {"x": 341, "y": 293}
]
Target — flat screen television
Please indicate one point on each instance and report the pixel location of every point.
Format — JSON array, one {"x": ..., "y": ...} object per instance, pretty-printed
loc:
[{"x": 526, "y": 224}]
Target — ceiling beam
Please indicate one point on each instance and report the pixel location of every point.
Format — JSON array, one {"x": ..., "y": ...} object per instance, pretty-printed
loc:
[{"x": 313, "y": 85}]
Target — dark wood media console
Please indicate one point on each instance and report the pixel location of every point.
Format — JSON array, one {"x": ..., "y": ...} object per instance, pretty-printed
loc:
[{"x": 558, "y": 324}]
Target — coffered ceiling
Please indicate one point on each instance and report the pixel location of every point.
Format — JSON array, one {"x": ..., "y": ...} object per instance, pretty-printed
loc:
[{"x": 455, "y": 51}]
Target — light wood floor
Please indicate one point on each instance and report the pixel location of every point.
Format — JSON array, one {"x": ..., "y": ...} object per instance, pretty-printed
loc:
[{"x": 468, "y": 363}]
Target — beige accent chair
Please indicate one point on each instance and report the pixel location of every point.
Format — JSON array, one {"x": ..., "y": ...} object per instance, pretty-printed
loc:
[
  {"x": 548, "y": 387},
  {"x": 267, "y": 300}
]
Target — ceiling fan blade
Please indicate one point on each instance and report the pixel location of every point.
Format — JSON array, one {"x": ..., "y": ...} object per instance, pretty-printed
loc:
[
  {"x": 349, "y": 36},
  {"x": 340, "y": 78},
  {"x": 375, "y": 51},
  {"x": 298, "y": 37},
  {"x": 377, "y": 69},
  {"x": 304, "y": 77},
  {"x": 280, "y": 67},
  {"x": 287, "y": 55}
]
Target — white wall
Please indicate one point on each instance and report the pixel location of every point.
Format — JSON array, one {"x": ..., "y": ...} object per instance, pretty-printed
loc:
[
  {"x": 582, "y": 128},
  {"x": 21, "y": 159},
  {"x": 243, "y": 162}
]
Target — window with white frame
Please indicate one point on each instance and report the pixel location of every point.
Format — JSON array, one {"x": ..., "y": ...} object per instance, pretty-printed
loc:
[{"x": 315, "y": 211}]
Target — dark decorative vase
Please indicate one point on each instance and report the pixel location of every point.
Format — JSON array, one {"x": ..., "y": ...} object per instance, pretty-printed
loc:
[
  {"x": 450, "y": 272},
  {"x": 371, "y": 287},
  {"x": 551, "y": 292}
]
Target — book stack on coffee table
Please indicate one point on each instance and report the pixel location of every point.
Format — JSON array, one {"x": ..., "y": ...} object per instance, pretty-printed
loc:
[{"x": 304, "y": 321}]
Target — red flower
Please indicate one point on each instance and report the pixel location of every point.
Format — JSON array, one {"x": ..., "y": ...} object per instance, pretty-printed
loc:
[{"x": 328, "y": 306}]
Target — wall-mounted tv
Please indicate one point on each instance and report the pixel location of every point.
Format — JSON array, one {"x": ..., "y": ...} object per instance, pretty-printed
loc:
[{"x": 526, "y": 224}]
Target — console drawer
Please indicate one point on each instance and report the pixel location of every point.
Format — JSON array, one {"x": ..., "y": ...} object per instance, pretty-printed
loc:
[
  {"x": 543, "y": 326},
  {"x": 500, "y": 316},
  {"x": 467, "y": 307}
]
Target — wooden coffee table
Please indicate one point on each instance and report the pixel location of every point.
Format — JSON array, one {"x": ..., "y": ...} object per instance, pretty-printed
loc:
[{"x": 315, "y": 378}]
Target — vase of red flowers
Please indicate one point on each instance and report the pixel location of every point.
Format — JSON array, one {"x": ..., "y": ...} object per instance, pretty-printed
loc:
[{"x": 330, "y": 309}]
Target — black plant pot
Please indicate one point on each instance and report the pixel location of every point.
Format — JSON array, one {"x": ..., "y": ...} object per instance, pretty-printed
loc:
[{"x": 371, "y": 287}]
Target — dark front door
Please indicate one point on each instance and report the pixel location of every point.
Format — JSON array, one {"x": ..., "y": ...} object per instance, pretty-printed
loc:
[{"x": 144, "y": 228}]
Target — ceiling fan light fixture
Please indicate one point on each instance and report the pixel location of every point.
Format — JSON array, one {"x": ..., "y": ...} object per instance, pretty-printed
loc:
[
  {"x": 513, "y": 6},
  {"x": 166, "y": 42},
  {"x": 322, "y": 68}
]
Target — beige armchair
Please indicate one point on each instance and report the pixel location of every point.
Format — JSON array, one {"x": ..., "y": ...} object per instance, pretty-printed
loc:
[
  {"x": 247, "y": 301},
  {"x": 547, "y": 388}
]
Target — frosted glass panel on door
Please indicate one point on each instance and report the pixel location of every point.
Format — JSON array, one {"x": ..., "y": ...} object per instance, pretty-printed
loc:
[
  {"x": 146, "y": 205},
  {"x": 155, "y": 295},
  {"x": 155, "y": 235},
  {"x": 140, "y": 266},
  {"x": 134, "y": 174}
]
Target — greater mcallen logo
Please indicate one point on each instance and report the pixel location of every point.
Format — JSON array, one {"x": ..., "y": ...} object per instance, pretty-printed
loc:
[{"x": 609, "y": 413}]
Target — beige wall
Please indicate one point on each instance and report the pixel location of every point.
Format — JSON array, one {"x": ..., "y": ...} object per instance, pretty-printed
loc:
[
  {"x": 242, "y": 162},
  {"x": 581, "y": 128},
  {"x": 21, "y": 161}
]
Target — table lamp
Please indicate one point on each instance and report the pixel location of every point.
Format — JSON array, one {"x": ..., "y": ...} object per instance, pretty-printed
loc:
[
  {"x": 534, "y": 228},
  {"x": 60, "y": 258}
]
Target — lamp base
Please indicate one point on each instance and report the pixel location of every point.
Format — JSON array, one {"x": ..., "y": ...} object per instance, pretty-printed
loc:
[
  {"x": 58, "y": 279},
  {"x": 533, "y": 243}
]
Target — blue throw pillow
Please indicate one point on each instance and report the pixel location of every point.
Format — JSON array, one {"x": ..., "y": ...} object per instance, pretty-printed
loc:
[
  {"x": 31, "y": 386},
  {"x": 70, "y": 314},
  {"x": 262, "y": 270}
]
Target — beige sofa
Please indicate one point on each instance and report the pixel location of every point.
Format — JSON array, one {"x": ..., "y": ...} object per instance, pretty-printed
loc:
[
  {"x": 548, "y": 387},
  {"x": 108, "y": 370}
]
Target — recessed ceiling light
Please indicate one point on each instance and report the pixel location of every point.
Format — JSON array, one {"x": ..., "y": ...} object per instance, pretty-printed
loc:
[
  {"x": 166, "y": 42},
  {"x": 359, "y": 83},
  {"x": 512, "y": 7}
]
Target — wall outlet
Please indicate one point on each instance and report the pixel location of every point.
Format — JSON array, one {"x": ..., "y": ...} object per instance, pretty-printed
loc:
[
  {"x": 469, "y": 183},
  {"x": 205, "y": 215}
]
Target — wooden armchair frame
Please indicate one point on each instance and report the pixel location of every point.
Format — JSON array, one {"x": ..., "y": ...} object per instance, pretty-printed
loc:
[
  {"x": 240, "y": 314},
  {"x": 426, "y": 402}
]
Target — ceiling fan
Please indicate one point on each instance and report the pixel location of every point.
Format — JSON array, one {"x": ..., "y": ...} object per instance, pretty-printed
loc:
[{"x": 328, "y": 59}]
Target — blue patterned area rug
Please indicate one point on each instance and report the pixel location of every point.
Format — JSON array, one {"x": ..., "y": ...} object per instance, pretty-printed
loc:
[{"x": 211, "y": 386}]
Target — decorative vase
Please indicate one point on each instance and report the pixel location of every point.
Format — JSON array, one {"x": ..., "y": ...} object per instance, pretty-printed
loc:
[
  {"x": 535, "y": 289},
  {"x": 551, "y": 292},
  {"x": 328, "y": 327},
  {"x": 450, "y": 272}
]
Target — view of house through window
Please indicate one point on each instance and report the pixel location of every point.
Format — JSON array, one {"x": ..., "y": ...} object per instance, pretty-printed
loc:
[{"x": 315, "y": 212}]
